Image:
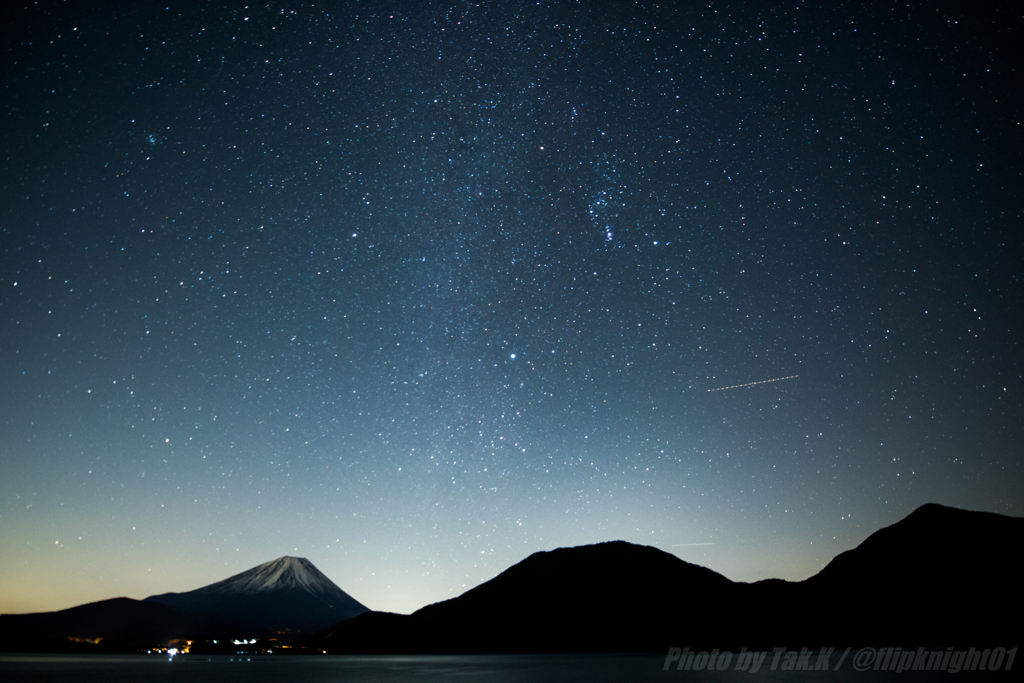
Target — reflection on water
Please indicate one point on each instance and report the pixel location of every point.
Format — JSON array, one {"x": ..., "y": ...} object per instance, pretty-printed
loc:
[
  {"x": 21, "y": 668},
  {"x": 16, "y": 668},
  {"x": 272, "y": 668}
]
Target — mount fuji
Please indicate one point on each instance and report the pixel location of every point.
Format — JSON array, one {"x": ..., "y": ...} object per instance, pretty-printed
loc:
[{"x": 284, "y": 596}]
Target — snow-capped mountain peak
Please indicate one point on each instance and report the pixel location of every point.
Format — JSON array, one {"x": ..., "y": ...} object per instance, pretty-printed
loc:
[
  {"x": 286, "y": 594},
  {"x": 280, "y": 574}
]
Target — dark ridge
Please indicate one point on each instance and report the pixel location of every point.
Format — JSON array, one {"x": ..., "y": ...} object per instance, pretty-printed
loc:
[
  {"x": 940, "y": 577},
  {"x": 131, "y": 623},
  {"x": 911, "y": 583}
]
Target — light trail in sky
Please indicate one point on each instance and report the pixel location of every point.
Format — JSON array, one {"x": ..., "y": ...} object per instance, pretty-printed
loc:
[{"x": 750, "y": 384}]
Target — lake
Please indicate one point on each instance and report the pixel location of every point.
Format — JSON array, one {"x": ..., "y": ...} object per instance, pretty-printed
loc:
[
  {"x": 18, "y": 668},
  {"x": 595, "y": 668},
  {"x": 15, "y": 668}
]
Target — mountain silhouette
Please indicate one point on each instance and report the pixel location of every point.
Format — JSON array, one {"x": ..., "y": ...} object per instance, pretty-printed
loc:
[
  {"x": 941, "y": 573},
  {"x": 609, "y": 596},
  {"x": 284, "y": 596},
  {"x": 910, "y": 583},
  {"x": 940, "y": 577},
  {"x": 121, "y": 622},
  {"x": 613, "y": 596}
]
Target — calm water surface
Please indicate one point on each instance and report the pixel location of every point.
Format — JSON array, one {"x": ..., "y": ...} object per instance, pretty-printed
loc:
[
  {"x": 271, "y": 669},
  {"x": 16, "y": 668}
]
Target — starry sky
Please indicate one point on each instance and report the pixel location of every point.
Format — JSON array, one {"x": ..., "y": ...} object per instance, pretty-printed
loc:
[{"x": 416, "y": 289}]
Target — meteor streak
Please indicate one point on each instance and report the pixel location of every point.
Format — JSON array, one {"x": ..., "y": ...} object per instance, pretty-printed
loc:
[{"x": 750, "y": 384}]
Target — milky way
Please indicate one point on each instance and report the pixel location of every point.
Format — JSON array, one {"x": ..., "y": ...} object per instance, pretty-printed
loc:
[{"x": 414, "y": 290}]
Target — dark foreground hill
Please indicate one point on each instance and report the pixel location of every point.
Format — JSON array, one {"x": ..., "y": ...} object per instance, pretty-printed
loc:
[
  {"x": 939, "y": 577},
  {"x": 940, "y": 573},
  {"x": 607, "y": 597},
  {"x": 119, "y": 624}
]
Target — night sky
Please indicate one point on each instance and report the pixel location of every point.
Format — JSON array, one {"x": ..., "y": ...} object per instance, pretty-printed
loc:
[{"x": 416, "y": 289}]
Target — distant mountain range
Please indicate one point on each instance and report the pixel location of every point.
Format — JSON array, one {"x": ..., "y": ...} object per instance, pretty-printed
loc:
[
  {"x": 941, "y": 576},
  {"x": 285, "y": 597}
]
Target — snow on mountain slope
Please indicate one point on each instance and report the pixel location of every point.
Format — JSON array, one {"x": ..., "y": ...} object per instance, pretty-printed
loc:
[
  {"x": 283, "y": 573},
  {"x": 288, "y": 594}
]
